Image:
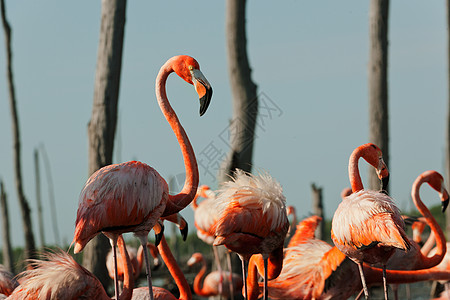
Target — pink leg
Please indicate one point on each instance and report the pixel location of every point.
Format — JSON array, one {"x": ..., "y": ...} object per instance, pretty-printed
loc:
[
  {"x": 113, "y": 242},
  {"x": 363, "y": 280},
  {"x": 231, "y": 275},
  {"x": 219, "y": 268},
  {"x": 143, "y": 240},
  {"x": 244, "y": 275}
]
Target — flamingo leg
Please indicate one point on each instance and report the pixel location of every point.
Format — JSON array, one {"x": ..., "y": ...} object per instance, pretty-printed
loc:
[
  {"x": 244, "y": 275},
  {"x": 231, "y": 275},
  {"x": 266, "y": 291},
  {"x": 113, "y": 242},
  {"x": 363, "y": 280},
  {"x": 143, "y": 240},
  {"x": 385, "y": 283},
  {"x": 219, "y": 268}
]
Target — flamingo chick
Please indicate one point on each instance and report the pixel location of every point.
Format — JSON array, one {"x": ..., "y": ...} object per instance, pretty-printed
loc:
[
  {"x": 132, "y": 196},
  {"x": 252, "y": 219}
]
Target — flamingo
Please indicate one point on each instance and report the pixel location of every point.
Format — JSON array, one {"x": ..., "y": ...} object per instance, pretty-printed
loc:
[
  {"x": 305, "y": 230},
  {"x": 367, "y": 225},
  {"x": 136, "y": 258},
  {"x": 313, "y": 269},
  {"x": 252, "y": 219},
  {"x": 161, "y": 293},
  {"x": 132, "y": 196},
  {"x": 7, "y": 281},
  {"x": 61, "y": 277},
  {"x": 290, "y": 211},
  {"x": 414, "y": 259},
  {"x": 208, "y": 286}
]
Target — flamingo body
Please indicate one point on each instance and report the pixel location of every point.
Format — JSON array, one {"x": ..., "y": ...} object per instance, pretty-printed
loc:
[{"x": 7, "y": 281}]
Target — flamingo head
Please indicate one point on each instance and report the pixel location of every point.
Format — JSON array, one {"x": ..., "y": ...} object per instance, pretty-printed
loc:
[
  {"x": 195, "y": 258},
  {"x": 436, "y": 181},
  {"x": 188, "y": 68},
  {"x": 374, "y": 156}
]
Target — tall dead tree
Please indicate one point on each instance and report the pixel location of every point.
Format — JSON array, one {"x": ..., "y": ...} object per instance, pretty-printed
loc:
[
  {"x": 102, "y": 126},
  {"x": 317, "y": 204},
  {"x": 37, "y": 178},
  {"x": 447, "y": 160},
  {"x": 8, "y": 260},
  {"x": 378, "y": 82},
  {"x": 29, "y": 250},
  {"x": 244, "y": 92}
]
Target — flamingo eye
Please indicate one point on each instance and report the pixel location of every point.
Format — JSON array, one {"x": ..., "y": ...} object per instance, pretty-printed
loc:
[{"x": 190, "y": 68}]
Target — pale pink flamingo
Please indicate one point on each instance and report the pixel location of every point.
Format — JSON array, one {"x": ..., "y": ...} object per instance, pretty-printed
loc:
[
  {"x": 132, "y": 196},
  {"x": 252, "y": 219},
  {"x": 367, "y": 225},
  {"x": 414, "y": 259},
  {"x": 161, "y": 293},
  {"x": 61, "y": 277},
  {"x": 209, "y": 285},
  {"x": 7, "y": 281}
]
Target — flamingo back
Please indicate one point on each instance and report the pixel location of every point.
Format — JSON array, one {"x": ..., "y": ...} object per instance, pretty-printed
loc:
[
  {"x": 205, "y": 217},
  {"x": 371, "y": 219},
  {"x": 126, "y": 193},
  {"x": 252, "y": 204},
  {"x": 58, "y": 277}
]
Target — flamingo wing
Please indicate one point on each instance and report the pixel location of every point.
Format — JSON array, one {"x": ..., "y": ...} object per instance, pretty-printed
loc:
[{"x": 305, "y": 230}]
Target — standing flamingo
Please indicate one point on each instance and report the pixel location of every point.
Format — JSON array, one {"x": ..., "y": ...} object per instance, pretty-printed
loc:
[
  {"x": 252, "y": 219},
  {"x": 414, "y": 259},
  {"x": 132, "y": 196},
  {"x": 367, "y": 226},
  {"x": 61, "y": 277},
  {"x": 209, "y": 285},
  {"x": 161, "y": 293}
]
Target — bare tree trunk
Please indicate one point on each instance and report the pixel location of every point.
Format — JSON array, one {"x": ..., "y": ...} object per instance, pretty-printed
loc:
[
  {"x": 318, "y": 210},
  {"x": 51, "y": 195},
  {"x": 8, "y": 260},
  {"x": 245, "y": 100},
  {"x": 38, "y": 197},
  {"x": 447, "y": 161},
  {"x": 102, "y": 126},
  {"x": 378, "y": 82},
  {"x": 24, "y": 207}
]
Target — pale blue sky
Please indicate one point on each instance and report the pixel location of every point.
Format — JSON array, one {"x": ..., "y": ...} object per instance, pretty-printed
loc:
[{"x": 309, "y": 58}]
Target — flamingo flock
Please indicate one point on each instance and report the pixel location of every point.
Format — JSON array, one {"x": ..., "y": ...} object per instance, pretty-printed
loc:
[{"x": 249, "y": 216}]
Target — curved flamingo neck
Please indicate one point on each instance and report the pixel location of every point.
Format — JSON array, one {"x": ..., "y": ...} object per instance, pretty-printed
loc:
[
  {"x": 353, "y": 170},
  {"x": 375, "y": 275},
  {"x": 435, "y": 228},
  {"x": 255, "y": 265},
  {"x": 128, "y": 281},
  {"x": 199, "y": 279},
  {"x": 426, "y": 248},
  {"x": 184, "y": 197},
  {"x": 174, "y": 270}
]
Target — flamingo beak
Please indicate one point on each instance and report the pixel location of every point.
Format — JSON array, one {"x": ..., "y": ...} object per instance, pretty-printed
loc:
[
  {"x": 444, "y": 201},
  {"x": 203, "y": 88},
  {"x": 384, "y": 183}
]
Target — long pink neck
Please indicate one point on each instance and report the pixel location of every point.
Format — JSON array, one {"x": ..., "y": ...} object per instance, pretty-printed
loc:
[
  {"x": 174, "y": 269},
  {"x": 182, "y": 199},
  {"x": 375, "y": 275},
  {"x": 429, "y": 244},
  {"x": 434, "y": 226},
  {"x": 198, "y": 281},
  {"x": 353, "y": 170},
  {"x": 128, "y": 282}
]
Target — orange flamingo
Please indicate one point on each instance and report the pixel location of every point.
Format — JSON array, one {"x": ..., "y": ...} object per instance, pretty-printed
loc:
[
  {"x": 414, "y": 259},
  {"x": 252, "y": 219},
  {"x": 136, "y": 258},
  {"x": 7, "y": 281},
  {"x": 132, "y": 196},
  {"x": 61, "y": 277},
  {"x": 161, "y": 293},
  {"x": 367, "y": 226},
  {"x": 313, "y": 269},
  {"x": 209, "y": 285},
  {"x": 305, "y": 230}
]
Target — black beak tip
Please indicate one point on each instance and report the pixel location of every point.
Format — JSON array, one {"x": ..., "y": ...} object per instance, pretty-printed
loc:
[
  {"x": 184, "y": 232},
  {"x": 205, "y": 100},
  {"x": 384, "y": 181},
  {"x": 156, "y": 267},
  {"x": 159, "y": 236},
  {"x": 444, "y": 205}
]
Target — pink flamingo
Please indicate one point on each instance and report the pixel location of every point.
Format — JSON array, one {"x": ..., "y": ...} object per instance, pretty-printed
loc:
[
  {"x": 132, "y": 196},
  {"x": 61, "y": 277},
  {"x": 209, "y": 285},
  {"x": 367, "y": 226},
  {"x": 252, "y": 219},
  {"x": 161, "y": 293}
]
